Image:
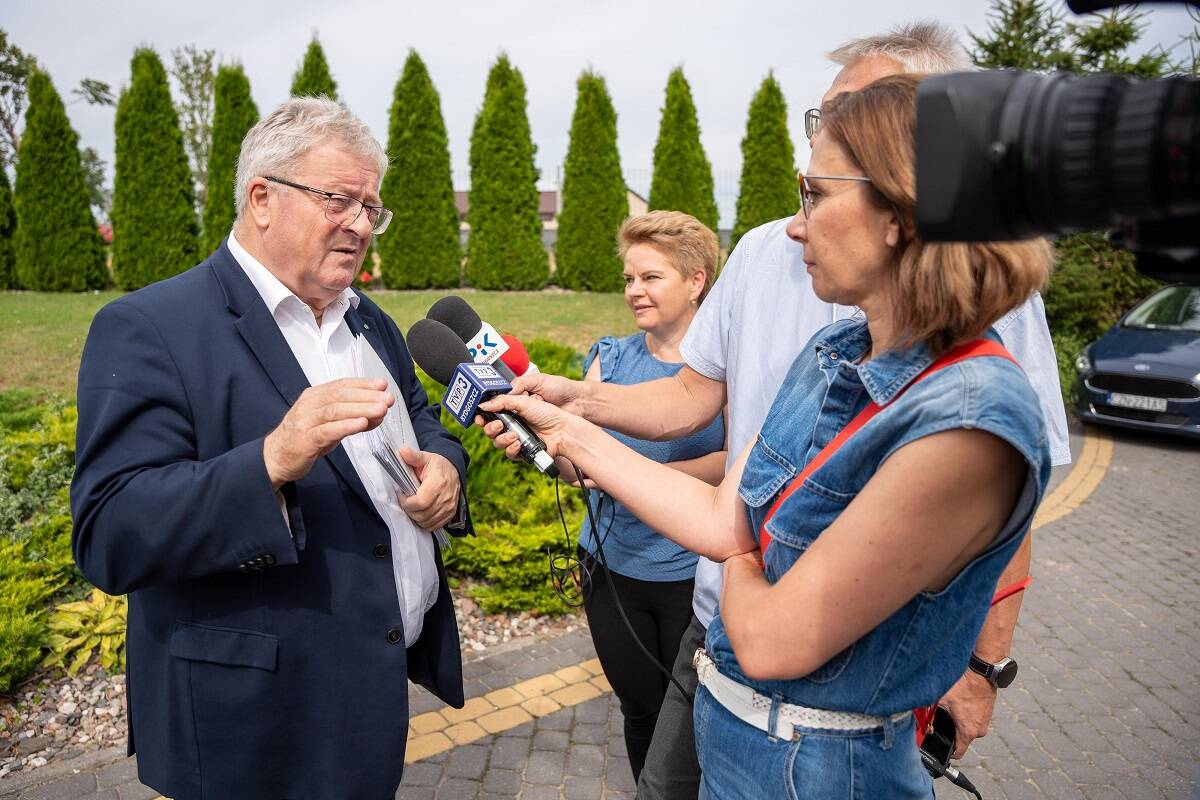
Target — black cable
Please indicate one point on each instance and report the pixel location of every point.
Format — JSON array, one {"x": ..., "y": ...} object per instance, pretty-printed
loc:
[
  {"x": 587, "y": 502},
  {"x": 950, "y": 773}
]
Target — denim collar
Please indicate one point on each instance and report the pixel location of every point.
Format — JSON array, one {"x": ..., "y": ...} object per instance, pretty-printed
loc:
[{"x": 884, "y": 376}]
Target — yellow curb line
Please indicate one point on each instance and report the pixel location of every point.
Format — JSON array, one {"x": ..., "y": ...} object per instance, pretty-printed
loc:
[
  {"x": 505, "y": 708},
  {"x": 1083, "y": 479}
]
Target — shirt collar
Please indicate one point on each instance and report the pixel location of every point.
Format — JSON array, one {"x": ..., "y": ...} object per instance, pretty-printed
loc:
[
  {"x": 884, "y": 376},
  {"x": 270, "y": 288}
]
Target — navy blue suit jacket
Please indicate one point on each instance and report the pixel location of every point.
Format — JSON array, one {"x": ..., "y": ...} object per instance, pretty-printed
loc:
[{"x": 262, "y": 661}]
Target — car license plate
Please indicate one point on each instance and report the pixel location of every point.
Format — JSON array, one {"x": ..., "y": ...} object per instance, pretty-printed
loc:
[{"x": 1137, "y": 401}]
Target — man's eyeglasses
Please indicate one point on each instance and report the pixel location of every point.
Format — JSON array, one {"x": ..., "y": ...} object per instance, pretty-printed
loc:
[
  {"x": 812, "y": 122},
  {"x": 342, "y": 209},
  {"x": 809, "y": 197}
]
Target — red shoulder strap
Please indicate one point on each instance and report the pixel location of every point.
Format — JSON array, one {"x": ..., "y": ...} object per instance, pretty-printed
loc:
[{"x": 973, "y": 349}]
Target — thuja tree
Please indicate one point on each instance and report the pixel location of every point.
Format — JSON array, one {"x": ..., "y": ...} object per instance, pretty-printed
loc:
[
  {"x": 767, "y": 190},
  {"x": 594, "y": 195},
  {"x": 420, "y": 250},
  {"x": 505, "y": 250},
  {"x": 57, "y": 245},
  {"x": 8, "y": 228},
  {"x": 155, "y": 232},
  {"x": 682, "y": 179},
  {"x": 313, "y": 78},
  {"x": 234, "y": 113}
]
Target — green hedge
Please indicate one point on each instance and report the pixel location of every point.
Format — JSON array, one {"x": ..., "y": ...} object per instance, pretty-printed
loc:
[
  {"x": 420, "y": 250},
  {"x": 513, "y": 508},
  {"x": 8, "y": 229},
  {"x": 155, "y": 232},
  {"x": 57, "y": 246},
  {"x": 1093, "y": 284},
  {"x": 768, "y": 189},
  {"x": 312, "y": 77},
  {"x": 682, "y": 179},
  {"x": 504, "y": 249},
  {"x": 514, "y": 511},
  {"x": 234, "y": 113},
  {"x": 594, "y": 201},
  {"x": 36, "y": 463}
]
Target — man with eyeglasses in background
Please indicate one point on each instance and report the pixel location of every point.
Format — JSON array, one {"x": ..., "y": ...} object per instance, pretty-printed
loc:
[
  {"x": 280, "y": 590},
  {"x": 758, "y": 316}
]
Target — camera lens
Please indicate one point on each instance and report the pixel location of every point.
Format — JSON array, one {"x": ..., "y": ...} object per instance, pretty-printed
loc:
[{"x": 1010, "y": 155}]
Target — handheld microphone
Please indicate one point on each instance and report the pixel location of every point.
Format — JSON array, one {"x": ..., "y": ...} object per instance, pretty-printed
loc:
[
  {"x": 442, "y": 354},
  {"x": 516, "y": 357},
  {"x": 484, "y": 343}
]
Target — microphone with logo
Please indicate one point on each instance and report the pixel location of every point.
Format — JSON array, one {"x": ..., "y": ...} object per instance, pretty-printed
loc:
[
  {"x": 484, "y": 343},
  {"x": 441, "y": 353}
]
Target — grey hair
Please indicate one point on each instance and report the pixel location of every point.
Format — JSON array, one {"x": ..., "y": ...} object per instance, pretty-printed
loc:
[
  {"x": 280, "y": 139},
  {"x": 922, "y": 47}
]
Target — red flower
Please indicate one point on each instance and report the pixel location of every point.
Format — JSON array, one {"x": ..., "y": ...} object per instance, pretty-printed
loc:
[{"x": 364, "y": 277}]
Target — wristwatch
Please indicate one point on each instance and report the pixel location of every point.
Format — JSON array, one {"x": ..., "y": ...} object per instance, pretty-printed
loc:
[{"x": 1001, "y": 674}]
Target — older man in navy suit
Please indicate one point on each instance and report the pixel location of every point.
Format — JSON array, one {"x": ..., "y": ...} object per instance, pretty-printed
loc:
[{"x": 281, "y": 589}]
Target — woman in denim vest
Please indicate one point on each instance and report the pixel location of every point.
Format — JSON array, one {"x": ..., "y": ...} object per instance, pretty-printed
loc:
[
  {"x": 670, "y": 260},
  {"x": 884, "y": 559}
]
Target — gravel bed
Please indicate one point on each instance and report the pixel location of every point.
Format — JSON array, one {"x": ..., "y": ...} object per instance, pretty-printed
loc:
[{"x": 55, "y": 717}]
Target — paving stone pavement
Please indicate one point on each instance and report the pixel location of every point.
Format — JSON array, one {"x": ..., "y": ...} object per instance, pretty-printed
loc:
[{"x": 1106, "y": 705}]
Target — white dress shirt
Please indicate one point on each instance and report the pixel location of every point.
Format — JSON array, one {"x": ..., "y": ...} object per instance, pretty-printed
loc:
[{"x": 327, "y": 352}]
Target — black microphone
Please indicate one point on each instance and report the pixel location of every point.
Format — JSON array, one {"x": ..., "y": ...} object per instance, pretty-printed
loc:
[
  {"x": 484, "y": 343},
  {"x": 441, "y": 353}
]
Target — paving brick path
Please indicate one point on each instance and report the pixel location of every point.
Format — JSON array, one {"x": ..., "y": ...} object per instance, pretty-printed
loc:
[{"x": 1107, "y": 703}]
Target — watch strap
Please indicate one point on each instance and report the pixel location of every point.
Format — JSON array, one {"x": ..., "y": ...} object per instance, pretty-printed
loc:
[{"x": 981, "y": 667}]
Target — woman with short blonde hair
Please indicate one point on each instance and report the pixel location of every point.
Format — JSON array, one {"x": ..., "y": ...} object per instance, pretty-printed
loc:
[
  {"x": 689, "y": 244},
  {"x": 669, "y": 262}
]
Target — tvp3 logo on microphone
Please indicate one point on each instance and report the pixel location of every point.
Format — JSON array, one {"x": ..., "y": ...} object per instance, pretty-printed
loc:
[
  {"x": 487, "y": 345},
  {"x": 469, "y": 386}
]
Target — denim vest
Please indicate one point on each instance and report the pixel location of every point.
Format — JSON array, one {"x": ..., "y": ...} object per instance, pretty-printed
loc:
[{"x": 914, "y": 656}]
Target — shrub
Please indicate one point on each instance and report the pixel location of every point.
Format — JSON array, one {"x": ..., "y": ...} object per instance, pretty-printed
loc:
[
  {"x": 312, "y": 77},
  {"x": 504, "y": 250},
  {"x": 1092, "y": 286},
  {"x": 85, "y": 628},
  {"x": 682, "y": 179},
  {"x": 1066, "y": 347},
  {"x": 234, "y": 113},
  {"x": 27, "y": 587},
  {"x": 155, "y": 234},
  {"x": 8, "y": 229},
  {"x": 36, "y": 465},
  {"x": 514, "y": 511},
  {"x": 513, "y": 562},
  {"x": 420, "y": 250},
  {"x": 594, "y": 198},
  {"x": 57, "y": 246},
  {"x": 767, "y": 190}
]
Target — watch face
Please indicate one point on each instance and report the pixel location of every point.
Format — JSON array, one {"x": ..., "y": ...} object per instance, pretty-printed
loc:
[{"x": 1006, "y": 673}]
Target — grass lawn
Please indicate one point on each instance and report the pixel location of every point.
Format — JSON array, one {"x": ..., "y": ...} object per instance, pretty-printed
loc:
[{"x": 42, "y": 334}]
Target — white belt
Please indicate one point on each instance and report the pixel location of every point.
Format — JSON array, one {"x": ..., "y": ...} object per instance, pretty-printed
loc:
[{"x": 755, "y": 709}]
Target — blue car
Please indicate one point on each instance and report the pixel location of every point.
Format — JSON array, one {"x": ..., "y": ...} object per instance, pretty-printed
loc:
[{"x": 1145, "y": 371}]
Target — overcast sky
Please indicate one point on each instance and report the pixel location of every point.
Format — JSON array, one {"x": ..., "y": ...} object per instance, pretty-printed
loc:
[{"x": 725, "y": 53}]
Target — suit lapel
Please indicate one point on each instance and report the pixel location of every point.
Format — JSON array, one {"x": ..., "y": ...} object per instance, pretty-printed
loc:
[{"x": 261, "y": 333}]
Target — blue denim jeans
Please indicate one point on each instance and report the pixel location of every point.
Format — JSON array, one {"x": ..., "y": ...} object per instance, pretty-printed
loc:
[{"x": 740, "y": 761}]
